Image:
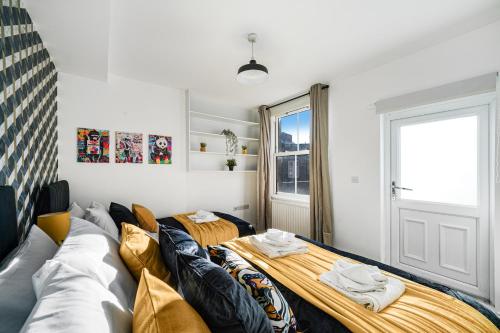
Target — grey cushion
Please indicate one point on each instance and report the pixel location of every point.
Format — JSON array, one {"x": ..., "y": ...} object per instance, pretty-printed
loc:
[
  {"x": 102, "y": 219},
  {"x": 76, "y": 211}
]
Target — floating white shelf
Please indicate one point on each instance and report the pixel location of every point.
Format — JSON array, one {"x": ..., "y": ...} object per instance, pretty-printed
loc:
[
  {"x": 219, "y": 153},
  {"x": 198, "y": 133},
  {"x": 206, "y": 127},
  {"x": 221, "y": 118}
]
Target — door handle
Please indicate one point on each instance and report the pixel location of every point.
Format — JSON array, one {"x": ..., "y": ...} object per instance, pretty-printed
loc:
[{"x": 394, "y": 188}]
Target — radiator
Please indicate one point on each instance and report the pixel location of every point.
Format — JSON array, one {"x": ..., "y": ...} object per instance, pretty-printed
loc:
[{"x": 291, "y": 217}]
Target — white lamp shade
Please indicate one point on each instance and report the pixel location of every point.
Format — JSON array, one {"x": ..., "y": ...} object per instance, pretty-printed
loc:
[{"x": 252, "y": 76}]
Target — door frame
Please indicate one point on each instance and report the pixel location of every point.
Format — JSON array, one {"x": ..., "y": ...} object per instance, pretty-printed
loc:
[{"x": 488, "y": 99}]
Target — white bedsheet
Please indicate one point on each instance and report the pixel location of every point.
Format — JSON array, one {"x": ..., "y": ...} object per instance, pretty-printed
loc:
[
  {"x": 92, "y": 251},
  {"x": 71, "y": 301}
]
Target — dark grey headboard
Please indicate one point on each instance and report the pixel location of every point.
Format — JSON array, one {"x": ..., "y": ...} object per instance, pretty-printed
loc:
[
  {"x": 9, "y": 237},
  {"x": 53, "y": 198}
]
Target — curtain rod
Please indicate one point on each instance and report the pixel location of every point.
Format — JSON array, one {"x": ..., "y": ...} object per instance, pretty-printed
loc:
[{"x": 293, "y": 98}]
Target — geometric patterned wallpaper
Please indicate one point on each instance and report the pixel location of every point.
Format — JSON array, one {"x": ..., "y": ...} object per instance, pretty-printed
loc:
[{"x": 28, "y": 106}]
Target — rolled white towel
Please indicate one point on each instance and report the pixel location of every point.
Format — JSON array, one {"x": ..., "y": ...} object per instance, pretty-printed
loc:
[{"x": 373, "y": 300}]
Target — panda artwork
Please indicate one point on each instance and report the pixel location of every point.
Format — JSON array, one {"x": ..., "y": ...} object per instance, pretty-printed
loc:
[
  {"x": 160, "y": 149},
  {"x": 92, "y": 145}
]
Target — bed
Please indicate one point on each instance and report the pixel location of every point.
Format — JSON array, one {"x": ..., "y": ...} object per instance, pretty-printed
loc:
[
  {"x": 309, "y": 318},
  {"x": 244, "y": 228}
]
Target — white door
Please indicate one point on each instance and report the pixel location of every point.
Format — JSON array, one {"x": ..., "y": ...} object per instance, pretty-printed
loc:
[{"x": 440, "y": 195}]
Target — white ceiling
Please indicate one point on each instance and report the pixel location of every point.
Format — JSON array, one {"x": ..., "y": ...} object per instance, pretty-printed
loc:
[
  {"x": 199, "y": 44},
  {"x": 75, "y": 32}
]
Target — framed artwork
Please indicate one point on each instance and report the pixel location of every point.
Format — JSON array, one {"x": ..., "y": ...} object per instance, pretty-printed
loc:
[
  {"x": 160, "y": 149},
  {"x": 92, "y": 145},
  {"x": 128, "y": 147}
]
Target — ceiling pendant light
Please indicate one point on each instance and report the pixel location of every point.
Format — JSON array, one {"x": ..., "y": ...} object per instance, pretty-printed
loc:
[{"x": 252, "y": 73}]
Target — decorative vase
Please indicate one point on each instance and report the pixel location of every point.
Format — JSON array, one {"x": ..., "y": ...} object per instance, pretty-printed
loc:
[
  {"x": 203, "y": 148},
  {"x": 231, "y": 167},
  {"x": 244, "y": 151}
]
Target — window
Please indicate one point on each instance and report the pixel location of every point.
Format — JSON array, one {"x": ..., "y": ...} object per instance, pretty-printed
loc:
[{"x": 291, "y": 153}]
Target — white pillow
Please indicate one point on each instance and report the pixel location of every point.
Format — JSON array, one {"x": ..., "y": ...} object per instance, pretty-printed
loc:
[
  {"x": 71, "y": 301},
  {"x": 17, "y": 297},
  {"x": 76, "y": 211},
  {"x": 98, "y": 205},
  {"x": 102, "y": 219},
  {"x": 92, "y": 251}
]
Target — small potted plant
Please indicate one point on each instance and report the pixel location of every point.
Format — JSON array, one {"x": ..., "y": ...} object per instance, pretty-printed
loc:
[
  {"x": 244, "y": 149},
  {"x": 231, "y": 163},
  {"x": 203, "y": 146},
  {"x": 231, "y": 141}
]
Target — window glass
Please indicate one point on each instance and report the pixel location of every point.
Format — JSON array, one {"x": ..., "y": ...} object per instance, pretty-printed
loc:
[
  {"x": 304, "y": 130},
  {"x": 439, "y": 159},
  {"x": 293, "y": 140},
  {"x": 285, "y": 174},
  {"x": 288, "y": 134},
  {"x": 303, "y": 174}
]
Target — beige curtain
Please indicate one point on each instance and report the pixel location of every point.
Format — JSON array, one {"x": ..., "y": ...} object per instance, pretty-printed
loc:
[
  {"x": 264, "y": 171},
  {"x": 320, "y": 191}
]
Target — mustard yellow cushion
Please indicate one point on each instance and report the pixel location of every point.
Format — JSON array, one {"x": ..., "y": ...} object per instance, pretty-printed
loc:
[
  {"x": 159, "y": 308},
  {"x": 146, "y": 218},
  {"x": 139, "y": 251},
  {"x": 55, "y": 225}
]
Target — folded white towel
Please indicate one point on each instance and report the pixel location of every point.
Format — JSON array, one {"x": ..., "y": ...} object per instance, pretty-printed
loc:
[
  {"x": 202, "y": 216},
  {"x": 279, "y": 237},
  {"x": 359, "y": 277},
  {"x": 203, "y": 220},
  {"x": 373, "y": 300},
  {"x": 272, "y": 251}
]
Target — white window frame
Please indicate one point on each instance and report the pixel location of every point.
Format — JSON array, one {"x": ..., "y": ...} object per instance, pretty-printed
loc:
[{"x": 275, "y": 141}]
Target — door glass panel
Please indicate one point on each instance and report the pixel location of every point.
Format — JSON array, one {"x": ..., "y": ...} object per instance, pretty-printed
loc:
[{"x": 438, "y": 160}]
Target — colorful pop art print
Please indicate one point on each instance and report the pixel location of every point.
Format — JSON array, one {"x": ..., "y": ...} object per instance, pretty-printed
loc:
[
  {"x": 160, "y": 149},
  {"x": 92, "y": 145},
  {"x": 128, "y": 147}
]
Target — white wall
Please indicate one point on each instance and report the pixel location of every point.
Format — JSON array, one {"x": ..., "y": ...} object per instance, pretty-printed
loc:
[
  {"x": 127, "y": 105},
  {"x": 355, "y": 148}
]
